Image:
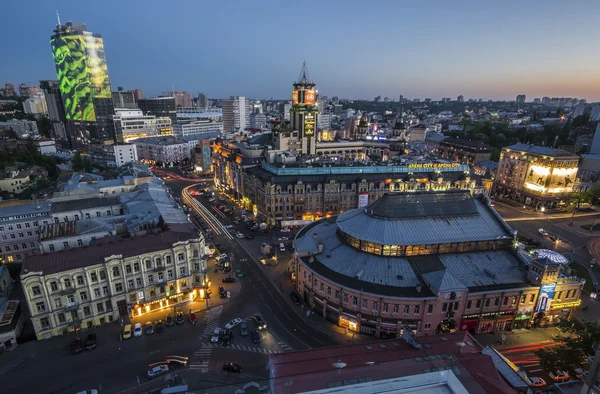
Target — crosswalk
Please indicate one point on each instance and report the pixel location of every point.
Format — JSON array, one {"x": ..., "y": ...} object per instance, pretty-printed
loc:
[
  {"x": 210, "y": 345},
  {"x": 212, "y": 320},
  {"x": 284, "y": 346},
  {"x": 201, "y": 360}
]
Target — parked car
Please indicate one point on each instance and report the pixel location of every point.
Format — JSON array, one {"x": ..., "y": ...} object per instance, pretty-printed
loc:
[
  {"x": 260, "y": 323},
  {"x": 229, "y": 279},
  {"x": 250, "y": 236},
  {"x": 255, "y": 336},
  {"x": 543, "y": 232},
  {"x": 239, "y": 273},
  {"x": 149, "y": 329},
  {"x": 233, "y": 323},
  {"x": 127, "y": 331},
  {"x": 192, "y": 318},
  {"x": 240, "y": 235},
  {"x": 232, "y": 367},
  {"x": 243, "y": 329},
  {"x": 559, "y": 376},
  {"x": 76, "y": 346},
  {"x": 226, "y": 337},
  {"x": 170, "y": 321},
  {"x": 285, "y": 230},
  {"x": 90, "y": 342},
  {"x": 295, "y": 298},
  {"x": 157, "y": 370},
  {"x": 159, "y": 327},
  {"x": 179, "y": 319},
  {"x": 137, "y": 330},
  {"x": 216, "y": 335},
  {"x": 537, "y": 382}
]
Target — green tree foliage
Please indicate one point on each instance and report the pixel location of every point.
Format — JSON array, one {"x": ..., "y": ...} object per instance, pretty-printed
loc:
[
  {"x": 573, "y": 344},
  {"x": 77, "y": 162}
]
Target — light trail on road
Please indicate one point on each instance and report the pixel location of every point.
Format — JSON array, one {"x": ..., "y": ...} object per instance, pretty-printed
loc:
[{"x": 201, "y": 210}]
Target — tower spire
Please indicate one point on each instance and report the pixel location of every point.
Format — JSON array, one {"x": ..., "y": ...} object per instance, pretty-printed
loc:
[
  {"x": 58, "y": 18},
  {"x": 304, "y": 77}
]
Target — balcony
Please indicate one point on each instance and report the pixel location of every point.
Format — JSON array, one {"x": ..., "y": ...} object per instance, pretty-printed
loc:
[
  {"x": 160, "y": 268},
  {"x": 570, "y": 279},
  {"x": 67, "y": 291},
  {"x": 72, "y": 307}
]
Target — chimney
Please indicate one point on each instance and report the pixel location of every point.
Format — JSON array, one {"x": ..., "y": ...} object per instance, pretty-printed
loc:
[{"x": 418, "y": 287}]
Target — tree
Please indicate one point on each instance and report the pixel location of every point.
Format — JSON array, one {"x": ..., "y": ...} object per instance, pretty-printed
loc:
[
  {"x": 77, "y": 162},
  {"x": 87, "y": 165},
  {"x": 594, "y": 193}
]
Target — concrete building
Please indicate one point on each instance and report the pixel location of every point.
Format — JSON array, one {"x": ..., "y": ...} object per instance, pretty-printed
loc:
[
  {"x": 24, "y": 128},
  {"x": 520, "y": 99},
  {"x": 464, "y": 151},
  {"x": 202, "y": 100},
  {"x": 595, "y": 114},
  {"x": 236, "y": 115},
  {"x": 324, "y": 121},
  {"x": 125, "y": 153},
  {"x": 182, "y": 99},
  {"x": 36, "y": 104},
  {"x": 124, "y": 99},
  {"x": 258, "y": 120},
  {"x": 19, "y": 227},
  {"x": 26, "y": 91},
  {"x": 536, "y": 175},
  {"x": 162, "y": 150},
  {"x": 417, "y": 133},
  {"x": 286, "y": 111},
  {"x": 160, "y": 107},
  {"x": 56, "y": 109},
  {"x": 112, "y": 278},
  {"x": 197, "y": 128},
  {"x": 131, "y": 124},
  {"x": 579, "y": 110},
  {"x": 438, "y": 278},
  {"x": 14, "y": 181},
  {"x": 202, "y": 157},
  {"x": 46, "y": 146}
]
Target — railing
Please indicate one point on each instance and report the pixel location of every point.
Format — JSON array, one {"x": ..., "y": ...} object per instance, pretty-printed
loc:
[
  {"x": 72, "y": 307},
  {"x": 572, "y": 279},
  {"x": 160, "y": 268},
  {"x": 67, "y": 291}
]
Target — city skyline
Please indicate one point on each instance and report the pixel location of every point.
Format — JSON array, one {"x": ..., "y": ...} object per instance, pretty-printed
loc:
[{"x": 426, "y": 51}]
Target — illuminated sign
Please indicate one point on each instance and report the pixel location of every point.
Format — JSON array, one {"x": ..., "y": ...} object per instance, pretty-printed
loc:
[
  {"x": 434, "y": 165},
  {"x": 294, "y": 97},
  {"x": 310, "y": 97},
  {"x": 309, "y": 124},
  {"x": 545, "y": 298},
  {"x": 82, "y": 74},
  {"x": 363, "y": 200}
]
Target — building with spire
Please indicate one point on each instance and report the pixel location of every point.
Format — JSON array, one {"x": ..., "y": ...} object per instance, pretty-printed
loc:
[
  {"x": 84, "y": 85},
  {"x": 303, "y": 113}
]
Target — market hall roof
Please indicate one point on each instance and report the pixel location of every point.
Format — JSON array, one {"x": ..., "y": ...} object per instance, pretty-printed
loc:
[{"x": 425, "y": 218}]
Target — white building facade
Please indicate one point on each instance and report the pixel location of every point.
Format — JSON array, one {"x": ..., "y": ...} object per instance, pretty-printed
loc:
[
  {"x": 236, "y": 115},
  {"x": 125, "y": 153},
  {"x": 131, "y": 124}
]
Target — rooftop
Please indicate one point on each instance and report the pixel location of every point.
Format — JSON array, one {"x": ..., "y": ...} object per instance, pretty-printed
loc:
[
  {"x": 541, "y": 150},
  {"x": 86, "y": 256},
  {"x": 413, "y": 205},
  {"x": 84, "y": 203},
  {"x": 314, "y": 369},
  {"x": 162, "y": 141},
  {"x": 9, "y": 212}
]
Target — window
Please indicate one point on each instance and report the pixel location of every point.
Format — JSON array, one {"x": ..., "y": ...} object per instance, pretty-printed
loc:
[
  {"x": 23, "y": 246},
  {"x": 487, "y": 303},
  {"x": 406, "y": 309},
  {"x": 102, "y": 275},
  {"x": 514, "y": 300},
  {"x": 53, "y": 286},
  {"x": 322, "y": 287},
  {"x": 160, "y": 276},
  {"x": 83, "y": 296},
  {"x": 428, "y": 326},
  {"x": 94, "y": 277},
  {"x": 365, "y": 304},
  {"x": 328, "y": 291},
  {"x": 45, "y": 322},
  {"x": 116, "y": 272},
  {"x": 456, "y": 306},
  {"x": 108, "y": 305},
  {"x": 67, "y": 283},
  {"x": 574, "y": 293},
  {"x": 395, "y": 309},
  {"x": 61, "y": 318},
  {"x": 168, "y": 259},
  {"x": 36, "y": 291},
  {"x": 496, "y": 301},
  {"x": 523, "y": 298},
  {"x": 98, "y": 214},
  {"x": 136, "y": 267},
  {"x": 445, "y": 307},
  {"x": 79, "y": 280},
  {"x": 478, "y": 304},
  {"x": 375, "y": 306},
  {"x": 469, "y": 304},
  {"x": 21, "y": 235},
  {"x": 96, "y": 292},
  {"x": 345, "y": 298},
  {"x": 182, "y": 271},
  {"x": 355, "y": 301},
  {"x": 12, "y": 236},
  {"x": 7, "y": 248},
  {"x": 385, "y": 307},
  {"x": 79, "y": 242},
  {"x": 105, "y": 290},
  {"x": 27, "y": 225},
  {"x": 170, "y": 274},
  {"x": 58, "y": 303},
  {"x": 429, "y": 309},
  {"x": 128, "y": 268},
  {"x": 505, "y": 301},
  {"x": 151, "y": 278},
  {"x": 51, "y": 247},
  {"x": 18, "y": 226},
  {"x": 138, "y": 282},
  {"x": 100, "y": 307},
  {"x": 417, "y": 309},
  {"x": 40, "y": 306},
  {"x": 87, "y": 310},
  {"x": 108, "y": 212},
  {"x": 118, "y": 287},
  {"x": 29, "y": 233},
  {"x": 148, "y": 264},
  {"x": 180, "y": 257},
  {"x": 76, "y": 218},
  {"x": 130, "y": 284}
]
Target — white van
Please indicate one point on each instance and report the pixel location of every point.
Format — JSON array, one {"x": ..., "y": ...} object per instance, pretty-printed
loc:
[{"x": 281, "y": 247}]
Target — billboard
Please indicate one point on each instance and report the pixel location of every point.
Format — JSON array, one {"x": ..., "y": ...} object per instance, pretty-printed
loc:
[
  {"x": 310, "y": 97},
  {"x": 82, "y": 74},
  {"x": 294, "y": 97},
  {"x": 546, "y": 294},
  {"x": 309, "y": 124},
  {"x": 363, "y": 199}
]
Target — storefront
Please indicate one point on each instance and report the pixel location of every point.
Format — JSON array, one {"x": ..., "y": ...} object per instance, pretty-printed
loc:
[
  {"x": 169, "y": 301},
  {"x": 348, "y": 321},
  {"x": 469, "y": 323}
]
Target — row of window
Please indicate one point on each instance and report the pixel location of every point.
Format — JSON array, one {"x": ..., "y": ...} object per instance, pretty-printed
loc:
[
  {"x": 21, "y": 235},
  {"x": 87, "y": 312},
  {"x": 15, "y": 247}
]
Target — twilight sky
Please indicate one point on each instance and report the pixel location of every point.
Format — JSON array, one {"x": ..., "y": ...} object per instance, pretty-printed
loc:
[{"x": 354, "y": 49}]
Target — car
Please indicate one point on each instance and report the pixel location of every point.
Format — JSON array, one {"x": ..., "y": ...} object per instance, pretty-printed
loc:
[
  {"x": 578, "y": 372},
  {"x": 237, "y": 218},
  {"x": 285, "y": 230},
  {"x": 223, "y": 257},
  {"x": 229, "y": 279},
  {"x": 226, "y": 337},
  {"x": 295, "y": 298},
  {"x": 255, "y": 336},
  {"x": 232, "y": 367},
  {"x": 76, "y": 346},
  {"x": 250, "y": 236},
  {"x": 543, "y": 232},
  {"x": 240, "y": 235},
  {"x": 137, "y": 330},
  {"x": 179, "y": 319},
  {"x": 216, "y": 335},
  {"x": 192, "y": 318},
  {"x": 282, "y": 239},
  {"x": 239, "y": 273},
  {"x": 170, "y": 321},
  {"x": 537, "y": 382},
  {"x": 243, "y": 329},
  {"x": 127, "y": 331},
  {"x": 559, "y": 376},
  {"x": 233, "y": 323},
  {"x": 159, "y": 327},
  {"x": 260, "y": 323},
  {"x": 90, "y": 342},
  {"x": 149, "y": 329},
  {"x": 157, "y": 370}
]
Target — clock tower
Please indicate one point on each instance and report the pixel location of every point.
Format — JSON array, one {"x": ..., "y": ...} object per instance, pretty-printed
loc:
[{"x": 303, "y": 113}]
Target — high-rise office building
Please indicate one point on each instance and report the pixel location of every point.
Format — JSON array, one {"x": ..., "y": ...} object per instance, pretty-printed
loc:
[
  {"x": 182, "y": 99},
  {"x": 520, "y": 99},
  {"x": 124, "y": 99},
  {"x": 56, "y": 109},
  {"x": 304, "y": 111},
  {"x": 236, "y": 115},
  {"x": 202, "y": 100},
  {"x": 84, "y": 85},
  {"x": 159, "y": 107}
]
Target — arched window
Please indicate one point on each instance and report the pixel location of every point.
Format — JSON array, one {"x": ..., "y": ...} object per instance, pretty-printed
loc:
[{"x": 116, "y": 272}]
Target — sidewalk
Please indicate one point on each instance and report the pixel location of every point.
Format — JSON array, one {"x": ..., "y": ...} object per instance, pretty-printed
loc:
[{"x": 517, "y": 337}]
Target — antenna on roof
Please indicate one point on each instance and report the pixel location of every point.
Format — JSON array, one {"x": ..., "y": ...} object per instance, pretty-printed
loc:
[{"x": 58, "y": 18}]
